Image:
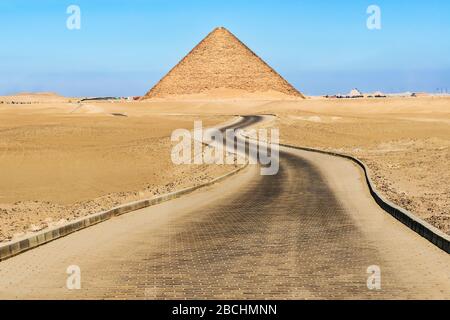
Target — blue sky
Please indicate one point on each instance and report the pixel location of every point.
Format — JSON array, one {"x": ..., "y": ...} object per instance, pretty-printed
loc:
[{"x": 320, "y": 46}]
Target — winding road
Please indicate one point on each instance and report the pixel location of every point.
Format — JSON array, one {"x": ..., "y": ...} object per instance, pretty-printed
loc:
[{"x": 309, "y": 232}]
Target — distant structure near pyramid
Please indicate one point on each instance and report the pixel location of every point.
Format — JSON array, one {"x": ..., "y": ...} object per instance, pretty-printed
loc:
[
  {"x": 355, "y": 93},
  {"x": 221, "y": 61}
]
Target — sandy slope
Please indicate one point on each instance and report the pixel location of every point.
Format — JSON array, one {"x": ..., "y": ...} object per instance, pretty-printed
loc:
[
  {"x": 61, "y": 161},
  {"x": 405, "y": 143},
  {"x": 33, "y": 98}
]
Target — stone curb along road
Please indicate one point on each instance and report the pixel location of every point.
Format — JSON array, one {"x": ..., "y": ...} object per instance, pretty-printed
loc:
[
  {"x": 429, "y": 232},
  {"x": 426, "y": 230},
  {"x": 421, "y": 227},
  {"x": 312, "y": 232},
  {"x": 15, "y": 247}
]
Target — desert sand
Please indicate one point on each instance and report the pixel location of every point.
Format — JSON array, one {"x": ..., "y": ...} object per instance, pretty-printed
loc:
[
  {"x": 63, "y": 160},
  {"x": 404, "y": 141}
]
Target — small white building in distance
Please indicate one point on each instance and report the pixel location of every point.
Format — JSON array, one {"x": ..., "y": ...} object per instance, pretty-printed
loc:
[{"x": 355, "y": 93}]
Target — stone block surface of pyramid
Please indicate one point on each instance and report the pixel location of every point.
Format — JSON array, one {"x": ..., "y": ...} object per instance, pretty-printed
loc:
[{"x": 221, "y": 61}]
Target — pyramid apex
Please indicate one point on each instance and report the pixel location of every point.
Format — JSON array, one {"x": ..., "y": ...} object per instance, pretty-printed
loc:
[{"x": 220, "y": 29}]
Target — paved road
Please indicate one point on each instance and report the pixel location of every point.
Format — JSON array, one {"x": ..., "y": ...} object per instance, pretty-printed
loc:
[{"x": 309, "y": 232}]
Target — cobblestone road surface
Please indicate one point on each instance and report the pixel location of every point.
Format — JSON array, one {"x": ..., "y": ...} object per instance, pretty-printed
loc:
[{"x": 310, "y": 232}]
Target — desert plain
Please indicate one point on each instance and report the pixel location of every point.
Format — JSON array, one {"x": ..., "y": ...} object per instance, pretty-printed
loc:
[{"x": 61, "y": 159}]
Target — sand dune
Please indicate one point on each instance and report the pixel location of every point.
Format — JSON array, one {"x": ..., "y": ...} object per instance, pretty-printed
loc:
[{"x": 59, "y": 163}]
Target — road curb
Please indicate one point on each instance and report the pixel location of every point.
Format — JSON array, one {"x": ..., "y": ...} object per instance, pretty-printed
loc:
[
  {"x": 15, "y": 247},
  {"x": 426, "y": 230}
]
